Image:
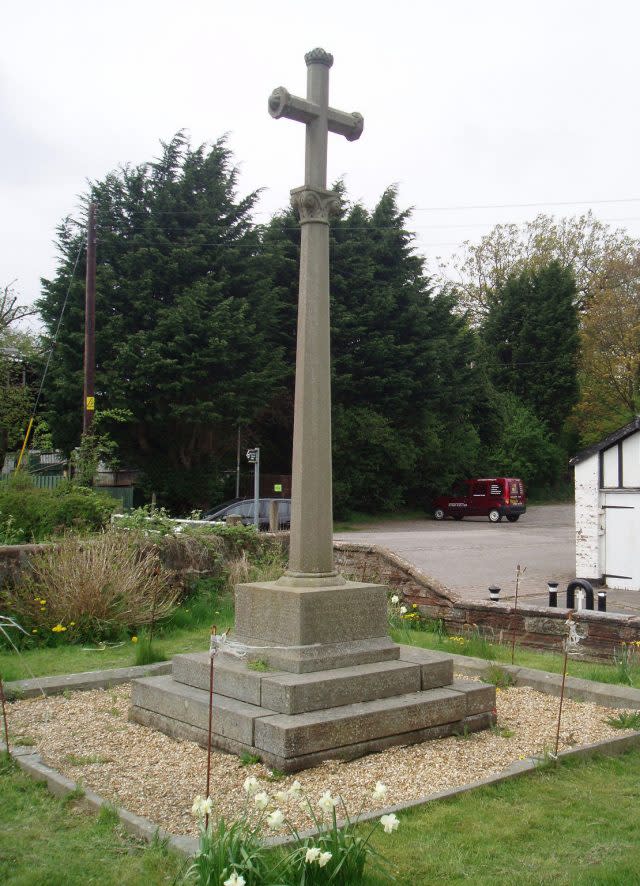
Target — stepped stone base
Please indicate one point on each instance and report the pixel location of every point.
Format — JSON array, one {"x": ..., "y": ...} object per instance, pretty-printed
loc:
[{"x": 294, "y": 720}]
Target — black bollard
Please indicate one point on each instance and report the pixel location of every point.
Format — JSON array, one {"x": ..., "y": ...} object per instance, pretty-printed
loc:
[
  {"x": 553, "y": 593},
  {"x": 602, "y": 601},
  {"x": 494, "y": 593}
]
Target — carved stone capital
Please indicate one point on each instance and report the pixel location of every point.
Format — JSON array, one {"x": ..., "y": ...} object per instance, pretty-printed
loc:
[
  {"x": 314, "y": 205},
  {"x": 319, "y": 56}
]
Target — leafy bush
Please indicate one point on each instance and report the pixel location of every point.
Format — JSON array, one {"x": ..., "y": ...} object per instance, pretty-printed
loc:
[
  {"x": 34, "y": 514},
  {"x": 92, "y": 590}
]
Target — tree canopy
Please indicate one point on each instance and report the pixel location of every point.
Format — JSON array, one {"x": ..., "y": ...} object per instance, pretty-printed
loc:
[
  {"x": 196, "y": 323},
  {"x": 530, "y": 335},
  {"x": 179, "y": 337}
]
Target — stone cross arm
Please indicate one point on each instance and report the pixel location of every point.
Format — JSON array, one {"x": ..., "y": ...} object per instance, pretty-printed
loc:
[{"x": 283, "y": 104}]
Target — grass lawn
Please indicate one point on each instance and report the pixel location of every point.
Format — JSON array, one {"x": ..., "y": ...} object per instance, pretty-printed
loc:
[
  {"x": 49, "y": 842},
  {"x": 625, "y": 673},
  {"x": 571, "y": 825}
]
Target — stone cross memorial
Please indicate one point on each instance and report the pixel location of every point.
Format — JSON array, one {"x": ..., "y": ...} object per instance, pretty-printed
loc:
[
  {"x": 330, "y": 682},
  {"x": 311, "y": 548}
]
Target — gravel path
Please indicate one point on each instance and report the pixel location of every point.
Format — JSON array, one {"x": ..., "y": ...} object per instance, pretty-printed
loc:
[{"x": 86, "y": 736}]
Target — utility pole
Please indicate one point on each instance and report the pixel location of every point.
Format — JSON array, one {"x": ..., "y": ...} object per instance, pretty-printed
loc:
[
  {"x": 89, "y": 403},
  {"x": 238, "y": 465}
]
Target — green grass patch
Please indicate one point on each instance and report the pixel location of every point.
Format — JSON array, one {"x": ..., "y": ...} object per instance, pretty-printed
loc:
[
  {"x": 258, "y": 665},
  {"x": 146, "y": 651},
  {"x": 625, "y": 720},
  {"x": 86, "y": 759},
  {"x": 500, "y": 653},
  {"x": 45, "y": 841},
  {"x": 572, "y": 824}
]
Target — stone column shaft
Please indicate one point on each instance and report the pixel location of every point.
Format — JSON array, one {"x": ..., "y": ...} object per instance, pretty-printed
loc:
[{"x": 311, "y": 545}]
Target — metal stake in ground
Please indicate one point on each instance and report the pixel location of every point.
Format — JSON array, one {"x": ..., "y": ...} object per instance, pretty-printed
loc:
[
  {"x": 213, "y": 649},
  {"x": 519, "y": 572},
  {"x": 571, "y": 641},
  {"x": 4, "y": 717}
]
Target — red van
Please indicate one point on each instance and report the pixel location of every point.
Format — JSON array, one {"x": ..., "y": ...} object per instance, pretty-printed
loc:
[{"x": 494, "y": 497}]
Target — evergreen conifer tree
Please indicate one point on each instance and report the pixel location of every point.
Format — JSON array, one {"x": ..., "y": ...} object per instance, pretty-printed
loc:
[
  {"x": 180, "y": 337},
  {"x": 531, "y": 341}
]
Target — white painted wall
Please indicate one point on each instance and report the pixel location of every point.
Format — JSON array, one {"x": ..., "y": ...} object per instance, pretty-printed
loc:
[
  {"x": 588, "y": 518},
  {"x": 608, "y": 519}
]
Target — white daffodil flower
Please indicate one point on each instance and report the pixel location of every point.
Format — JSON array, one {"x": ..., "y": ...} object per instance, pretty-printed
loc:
[
  {"x": 312, "y": 855},
  {"x": 389, "y": 822},
  {"x": 207, "y": 807},
  {"x": 403, "y": 610},
  {"x": 196, "y": 809},
  {"x": 275, "y": 819},
  {"x": 295, "y": 789},
  {"x": 261, "y": 800},
  {"x": 324, "y": 858},
  {"x": 327, "y": 803},
  {"x": 235, "y": 879},
  {"x": 395, "y": 599},
  {"x": 380, "y": 791},
  {"x": 281, "y": 797},
  {"x": 251, "y": 785}
]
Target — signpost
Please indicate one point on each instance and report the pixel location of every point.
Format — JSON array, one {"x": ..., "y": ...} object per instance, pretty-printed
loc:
[{"x": 253, "y": 457}]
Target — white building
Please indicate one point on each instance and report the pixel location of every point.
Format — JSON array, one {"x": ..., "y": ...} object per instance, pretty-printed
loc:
[{"x": 607, "y": 481}]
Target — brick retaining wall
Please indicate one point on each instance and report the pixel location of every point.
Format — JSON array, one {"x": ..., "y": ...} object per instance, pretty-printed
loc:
[{"x": 538, "y": 627}]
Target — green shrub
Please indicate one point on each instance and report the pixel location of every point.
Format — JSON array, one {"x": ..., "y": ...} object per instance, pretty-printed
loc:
[{"x": 30, "y": 514}]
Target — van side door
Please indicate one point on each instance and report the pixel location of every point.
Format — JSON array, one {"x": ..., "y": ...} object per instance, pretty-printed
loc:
[{"x": 478, "y": 502}]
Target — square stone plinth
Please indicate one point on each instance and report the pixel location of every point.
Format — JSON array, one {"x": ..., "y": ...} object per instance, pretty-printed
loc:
[{"x": 305, "y": 629}]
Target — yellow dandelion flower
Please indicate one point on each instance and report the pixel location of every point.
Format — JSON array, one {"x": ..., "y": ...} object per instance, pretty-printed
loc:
[
  {"x": 72, "y": 624},
  {"x": 34, "y": 631},
  {"x": 134, "y": 639},
  {"x": 57, "y": 629}
]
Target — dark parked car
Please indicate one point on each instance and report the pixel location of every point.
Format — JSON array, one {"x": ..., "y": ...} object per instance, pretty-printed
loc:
[
  {"x": 244, "y": 507},
  {"x": 493, "y": 497}
]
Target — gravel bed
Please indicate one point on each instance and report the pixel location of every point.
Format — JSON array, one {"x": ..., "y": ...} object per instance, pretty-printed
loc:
[{"x": 86, "y": 736}]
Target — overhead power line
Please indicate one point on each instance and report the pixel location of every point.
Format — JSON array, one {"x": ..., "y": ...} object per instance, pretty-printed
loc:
[{"x": 454, "y": 208}]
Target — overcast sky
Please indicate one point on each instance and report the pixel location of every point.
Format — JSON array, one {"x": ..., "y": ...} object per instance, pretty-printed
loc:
[{"x": 466, "y": 104}]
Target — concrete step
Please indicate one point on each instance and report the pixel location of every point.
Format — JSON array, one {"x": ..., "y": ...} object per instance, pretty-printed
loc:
[
  {"x": 291, "y": 693},
  {"x": 184, "y": 732},
  {"x": 297, "y": 735},
  {"x": 300, "y": 734},
  {"x": 184, "y": 704}
]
